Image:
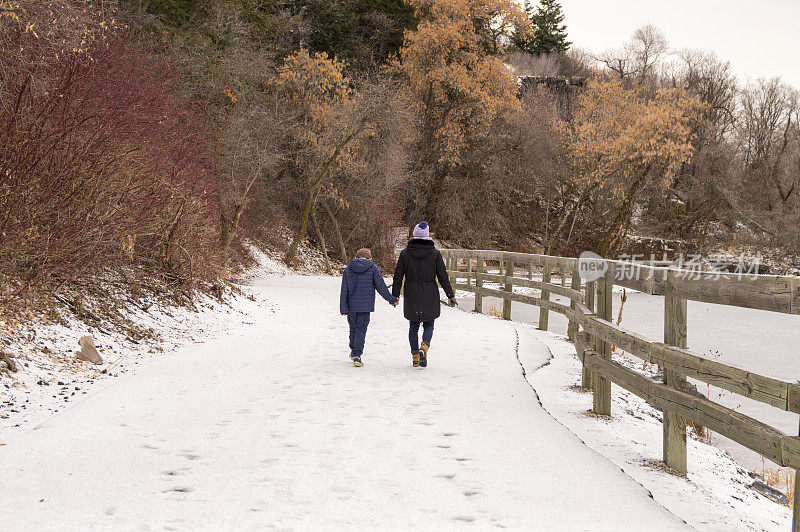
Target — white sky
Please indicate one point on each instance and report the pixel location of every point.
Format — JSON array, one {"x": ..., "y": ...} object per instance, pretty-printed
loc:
[{"x": 759, "y": 38}]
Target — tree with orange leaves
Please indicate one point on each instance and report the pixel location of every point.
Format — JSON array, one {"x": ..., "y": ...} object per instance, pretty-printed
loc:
[
  {"x": 333, "y": 134},
  {"x": 316, "y": 87},
  {"x": 457, "y": 88},
  {"x": 620, "y": 144}
]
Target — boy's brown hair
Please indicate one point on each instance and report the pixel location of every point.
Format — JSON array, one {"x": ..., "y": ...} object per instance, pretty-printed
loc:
[{"x": 364, "y": 253}]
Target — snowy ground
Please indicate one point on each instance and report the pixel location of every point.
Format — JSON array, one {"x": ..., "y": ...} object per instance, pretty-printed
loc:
[
  {"x": 270, "y": 425},
  {"x": 716, "y": 495},
  {"x": 51, "y": 378},
  {"x": 758, "y": 341},
  {"x": 266, "y": 424}
]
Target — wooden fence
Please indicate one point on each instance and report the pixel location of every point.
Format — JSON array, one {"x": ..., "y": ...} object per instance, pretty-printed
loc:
[{"x": 593, "y": 332}]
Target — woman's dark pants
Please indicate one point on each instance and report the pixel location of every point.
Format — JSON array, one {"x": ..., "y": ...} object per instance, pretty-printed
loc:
[{"x": 413, "y": 333}]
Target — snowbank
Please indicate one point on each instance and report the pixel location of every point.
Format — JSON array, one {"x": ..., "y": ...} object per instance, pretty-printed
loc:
[{"x": 716, "y": 495}]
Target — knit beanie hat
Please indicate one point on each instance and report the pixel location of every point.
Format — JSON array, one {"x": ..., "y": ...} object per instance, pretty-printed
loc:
[{"x": 422, "y": 231}]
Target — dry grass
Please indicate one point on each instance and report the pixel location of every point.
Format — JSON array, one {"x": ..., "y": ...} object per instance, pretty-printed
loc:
[
  {"x": 659, "y": 465},
  {"x": 496, "y": 311},
  {"x": 579, "y": 389},
  {"x": 700, "y": 432}
]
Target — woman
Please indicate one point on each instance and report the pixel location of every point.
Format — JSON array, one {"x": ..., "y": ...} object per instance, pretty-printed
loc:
[{"x": 421, "y": 264}]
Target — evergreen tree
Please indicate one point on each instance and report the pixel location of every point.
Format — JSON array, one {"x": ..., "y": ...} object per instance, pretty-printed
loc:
[
  {"x": 549, "y": 32},
  {"x": 361, "y": 32}
]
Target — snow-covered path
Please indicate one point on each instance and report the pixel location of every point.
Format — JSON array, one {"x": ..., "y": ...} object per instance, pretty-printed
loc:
[{"x": 272, "y": 427}]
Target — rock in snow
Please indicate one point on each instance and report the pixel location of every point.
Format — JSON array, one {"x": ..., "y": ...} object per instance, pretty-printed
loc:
[
  {"x": 770, "y": 492},
  {"x": 88, "y": 351}
]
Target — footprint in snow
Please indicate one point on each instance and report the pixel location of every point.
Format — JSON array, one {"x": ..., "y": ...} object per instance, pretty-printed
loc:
[
  {"x": 179, "y": 489},
  {"x": 183, "y": 471}
]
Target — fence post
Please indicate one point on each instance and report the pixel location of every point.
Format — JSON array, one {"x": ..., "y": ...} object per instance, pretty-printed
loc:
[
  {"x": 478, "y": 285},
  {"x": 796, "y": 521},
  {"x": 469, "y": 271},
  {"x": 509, "y": 272},
  {"x": 544, "y": 314},
  {"x": 675, "y": 425},
  {"x": 530, "y": 270},
  {"x": 587, "y": 379},
  {"x": 602, "y": 385},
  {"x": 572, "y": 329}
]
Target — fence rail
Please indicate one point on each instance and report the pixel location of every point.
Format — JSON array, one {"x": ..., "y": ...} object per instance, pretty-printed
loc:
[{"x": 591, "y": 329}]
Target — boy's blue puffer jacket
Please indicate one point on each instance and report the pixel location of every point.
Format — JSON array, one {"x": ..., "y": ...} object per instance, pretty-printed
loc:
[{"x": 360, "y": 280}]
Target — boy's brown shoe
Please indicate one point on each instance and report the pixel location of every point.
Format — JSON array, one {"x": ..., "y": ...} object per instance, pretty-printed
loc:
[{"x": 415, "y": 355}]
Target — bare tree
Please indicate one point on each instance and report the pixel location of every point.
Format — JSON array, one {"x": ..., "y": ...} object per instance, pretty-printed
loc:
[
  {"x": 700, "y": 193},
  {"x": 246, "y": 153},
  {"x": 769, "y": 138},
  {"x": 525, "y": 64},
  {"x": 710, "y": 79},
  {"x": 638, "y": 58}
]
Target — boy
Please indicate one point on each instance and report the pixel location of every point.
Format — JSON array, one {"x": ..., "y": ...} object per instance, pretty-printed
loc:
[{"x": 360, "y": 281}]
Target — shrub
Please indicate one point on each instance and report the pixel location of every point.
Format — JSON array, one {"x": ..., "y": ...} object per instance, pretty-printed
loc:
[{"x": 105, "y": 161}]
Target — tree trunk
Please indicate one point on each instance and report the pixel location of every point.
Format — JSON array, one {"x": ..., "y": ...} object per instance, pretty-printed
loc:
[
  {"x": 336, "y": 229},
  {"x": 572, "y": 213},
  {"x": 321, "y": 239},
  {"x": 314, "y": 185},
  {"x": 611, "y": 240},
  {"x": 301, "y": 232},
  {"x": 228, "y": 232},
  {"x": 170, "y": 233}
]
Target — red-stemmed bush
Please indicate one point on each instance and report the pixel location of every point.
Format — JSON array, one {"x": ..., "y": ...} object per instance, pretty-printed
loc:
[{"x": 104, "y": 160}]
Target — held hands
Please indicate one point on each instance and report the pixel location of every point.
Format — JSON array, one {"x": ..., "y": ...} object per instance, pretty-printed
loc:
[
  {"x": 453, "y": 302},
  {"x": 396, "y": 302}
]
